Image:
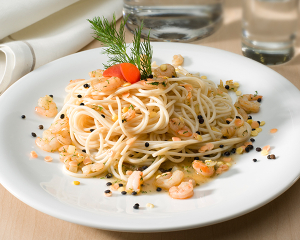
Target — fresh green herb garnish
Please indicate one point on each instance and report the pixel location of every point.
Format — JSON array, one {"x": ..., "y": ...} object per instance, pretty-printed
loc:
[
  {"x": 141, "y": 51},
  {"x": 256, "y": 93},
  {"x": 131, "y": 107}
]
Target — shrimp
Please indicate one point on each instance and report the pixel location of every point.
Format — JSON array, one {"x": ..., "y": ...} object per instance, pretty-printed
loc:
[
  {"x": 48, "y": 143},
  {"x": 134, "y": 181},
  {"x": 75, "y": 81},
  {"x": 165, "y": 70},
  {"x": 184, "y": 190},
  {"x": 222, "y": 168},
  {"x": 130, "y": 114},
  {"x": 157, "y": 82},
  {"x": 96, "y": 74},
  {"x": 246, "y": 102},
  {"x": 177, "y": 60},
  {"x": 168, "y": 180},
  {"x": 241, "y": 111},
  {"x": 228, "y": 131},
  {"x": 59, "y": 125},
  {"x": 106, "y": 84},
  {"x": 206, "y": 169},
  {"x": 180, "y": 128},
  {"x": 47, "y": 106},
  {"x": 64, "y": 137}
]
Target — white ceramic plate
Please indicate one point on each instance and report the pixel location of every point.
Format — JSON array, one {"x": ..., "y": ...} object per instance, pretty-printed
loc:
[{"x": 245, "y": 187}]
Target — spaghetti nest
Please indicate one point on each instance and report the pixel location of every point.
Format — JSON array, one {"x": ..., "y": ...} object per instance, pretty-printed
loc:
[{"x": 121, "y": 126}]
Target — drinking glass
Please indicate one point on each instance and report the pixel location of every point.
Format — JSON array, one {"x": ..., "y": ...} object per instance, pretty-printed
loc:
[
  {"x": 176, "y": 20},
  {"x": 269, "y": 30}
]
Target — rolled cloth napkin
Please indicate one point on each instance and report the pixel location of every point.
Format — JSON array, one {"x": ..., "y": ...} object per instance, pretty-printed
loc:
[{"x": 53, "y": 29}]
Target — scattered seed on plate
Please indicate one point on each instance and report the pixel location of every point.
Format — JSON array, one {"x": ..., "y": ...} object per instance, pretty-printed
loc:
[
  {"x": 108, "y": 184},
  {"x": 23, "y": 116},
  {"x": 158, "y": 189},
  {"x": 258, "y": 149},
  {"x": 107, "y": 193},
  {"x": 41, "y": 127},
  {"x": 51, "y": 96},
  {"x": 76, "y": 182},
  {"x": 134, "y": 193},
  {"x": 272, "y": 156},
  {"x": 136, "y": 206},
  {"x": 274, "y": 130},
  {"x": 33, "y": 154},
  {"x": 149, "y": 205},
  {"x": 48, "y": 159},
  {"x": 123, "y": 192},
  {"x": 33, "y": 134},
  {"x": 254, "y": 160}
]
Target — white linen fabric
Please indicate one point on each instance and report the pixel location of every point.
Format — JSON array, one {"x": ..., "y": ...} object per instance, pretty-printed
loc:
[{"x": 53, "y": 29}]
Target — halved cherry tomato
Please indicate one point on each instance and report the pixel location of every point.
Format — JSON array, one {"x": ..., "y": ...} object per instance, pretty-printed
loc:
[
  {"x": 130, "y": 72},
  {"x": 113, "y": 71}
]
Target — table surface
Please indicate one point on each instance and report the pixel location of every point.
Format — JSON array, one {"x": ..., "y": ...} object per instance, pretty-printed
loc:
[{"x": 276, "y": 220}]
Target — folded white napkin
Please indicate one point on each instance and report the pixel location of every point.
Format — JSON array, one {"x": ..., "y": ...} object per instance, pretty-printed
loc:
[{"x": 53, "y": 29}]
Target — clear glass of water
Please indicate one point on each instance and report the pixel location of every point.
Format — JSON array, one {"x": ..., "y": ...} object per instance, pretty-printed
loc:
[
  {"x": 176, "y": 20},
  {"x": 269, "y": 30}
]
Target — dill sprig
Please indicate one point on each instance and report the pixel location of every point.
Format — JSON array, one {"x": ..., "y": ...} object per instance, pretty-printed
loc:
[{"x": 116, "y": 47}]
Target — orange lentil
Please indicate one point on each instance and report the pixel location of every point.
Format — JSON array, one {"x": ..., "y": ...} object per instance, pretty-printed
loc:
[
  {"x": 48, "y": 159},
  {"x": 267, "y": 148},
  {"x": 254, "y": 124},
  {"x": 274, "y": 130},
  {"x": 33, "y": 154},
  {"x": 238, "y": 122}
]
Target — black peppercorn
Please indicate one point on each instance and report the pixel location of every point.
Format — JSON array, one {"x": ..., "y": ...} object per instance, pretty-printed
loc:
[
  {"x": 83, "y": 150},
  {"x": 233, "y": 150},
  {"x": 62, "y": 116},
  {"x": 51, "y": 95},
  {"x": 258, "y": 149},
  {"x": 254, "y": 160},
  {"x": 259, "y": 100},
  {"x": 41, "y": 127},
  {"x": 249, "y": 117},
  {"x": 227, "y": 87},
  {"x": 136, "y": 206},
  {"x": 81, "y": 104},
  {"x": 221, "y": 146},
  {"x": 123, "y": 192},
  {"x": 196, "y": 158},
  {"x": 201, "y": 120},
  {"x": 79, "y": 96},
  {"x": 109, "y": 175},
  {"x": 86, "y": 85},
  {"x": 102, "y": 115},
  {"x": 252, "y": 139},
  {"x": 23, "y": 116},
  {"x": 33, "y": 134},
  {"x": 134, "y": 193},
  {"x": 226, "y": 154},
  {"x": 108, "y": 184},
  {"x": 237, "y": 117},
  {"x": 147, "y": 144},
  {"x": 158, "y": 189},
  {"x": 107, "y": 191}
]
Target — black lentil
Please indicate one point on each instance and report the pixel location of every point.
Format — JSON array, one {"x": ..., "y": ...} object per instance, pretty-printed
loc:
[
  {"x": 79, "y": 96},
  {"x": 123, "y": 192},
  {"x": 252, "y": 139},
  {"x": 108, "y": 184},
  {"x": 81, "y": 104},
  {"x": 226, "y": 154},
  {"x": 62, "y": 116},
  {"x": 254, "y": 160},
  {"x": 51, "y": 95},
  {"x": 41, "y": 127},
  {"x": 92, "y": 130},
  {"x": 33, "y": 134},
  {"x": 272, "y": 156},
  {"x": 158, "y": 189},
  {"x": 227, "y": 87},
  {"x": 237, "y": 117},
  {"x": 102, "y": 115},
  {"x": 107, "y": 191},
  {"x": 136, "y": 206},
  {"x": 221, "y": 146},
  {"x": 258, "y": 149},
  {"x": 83, "y": 150},
  {"x": 134, "y": 193},
  {"x": 196, "y": 158},
  {"x": 249, "y": 117},
  {"x": 86, "y": 85},
  {"x": 144, "y": 167},
  {"x": 147, "y": 144},
  {"x": 23, "y": 116},
  {"x": 109, "y": 175},
  {"x": 247, "y": 149},
  {"x": 201, "y": 120},
  {"x": 259, "y": 100},
  {"x": 233, "y": 150}
]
